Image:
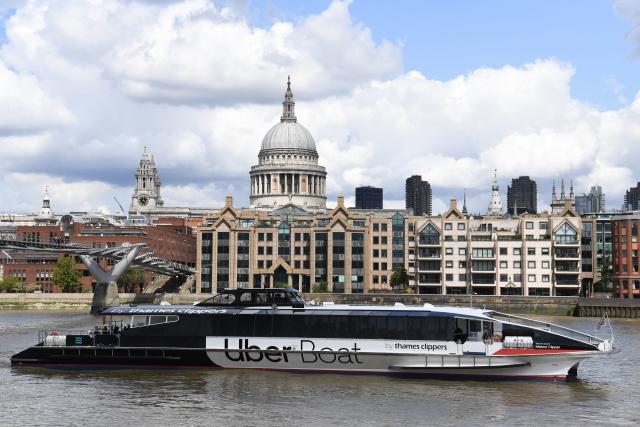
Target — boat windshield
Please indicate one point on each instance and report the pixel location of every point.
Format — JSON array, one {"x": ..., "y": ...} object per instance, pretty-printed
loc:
[{"x": 247, "y": 298}]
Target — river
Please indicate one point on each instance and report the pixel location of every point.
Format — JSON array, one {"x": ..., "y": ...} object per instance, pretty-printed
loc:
[{"x": 607, "y": 391}]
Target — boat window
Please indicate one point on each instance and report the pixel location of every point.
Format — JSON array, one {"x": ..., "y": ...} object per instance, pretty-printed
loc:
[
  {"x": 139, "y": 321},
  {"x": 246, "y": 298},
  {"x": 223, "y": 299},
  {"x": 262, "y": 298},
  {"x": 475, "y": 330}
]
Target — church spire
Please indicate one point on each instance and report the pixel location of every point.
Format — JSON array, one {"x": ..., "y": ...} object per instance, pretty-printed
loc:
[
  {"x": 288, "y": 105},
  {"x": 495, "y": 205},
  {"x": 464, "y": 202}
]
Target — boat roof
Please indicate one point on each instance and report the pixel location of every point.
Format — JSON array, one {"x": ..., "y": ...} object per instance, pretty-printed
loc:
[{"x": 327, "y": 309}]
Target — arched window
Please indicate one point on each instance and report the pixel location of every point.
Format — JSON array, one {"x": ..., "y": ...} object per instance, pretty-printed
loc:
[{"x": 566, "y": 234}]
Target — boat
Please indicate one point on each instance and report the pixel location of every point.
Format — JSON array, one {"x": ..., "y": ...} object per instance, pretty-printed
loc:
[{"x": 275, "y": 329}]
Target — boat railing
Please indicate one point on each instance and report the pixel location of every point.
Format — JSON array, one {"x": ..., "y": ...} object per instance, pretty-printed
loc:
[{"x": 548, "y": 327}]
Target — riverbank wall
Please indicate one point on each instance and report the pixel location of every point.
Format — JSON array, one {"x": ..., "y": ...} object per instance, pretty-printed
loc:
[
  {"x": 552, "y": 306},
  {"x": 512, "y": 304}
]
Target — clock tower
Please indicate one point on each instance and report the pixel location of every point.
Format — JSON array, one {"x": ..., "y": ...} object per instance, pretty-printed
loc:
[{"x": 146, "y": 195}]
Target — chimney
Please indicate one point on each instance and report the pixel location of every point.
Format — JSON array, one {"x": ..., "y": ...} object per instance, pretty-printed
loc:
[
  {"x": 454, "y": 203},
  {"x": 341, "y": 201},
  {"x": 228, "y": 201}
]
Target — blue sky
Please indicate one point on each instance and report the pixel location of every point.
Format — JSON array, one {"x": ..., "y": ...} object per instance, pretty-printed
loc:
[
  {"x": 444, "y": 39},
  {"x": 450, "y": 90}
]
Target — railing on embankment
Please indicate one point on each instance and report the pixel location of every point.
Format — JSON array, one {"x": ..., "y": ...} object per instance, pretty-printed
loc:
[{"x": 614, "y": 307}]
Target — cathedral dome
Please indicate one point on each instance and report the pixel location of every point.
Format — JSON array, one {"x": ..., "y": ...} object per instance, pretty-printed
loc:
[{"x": 288, "y": 135}]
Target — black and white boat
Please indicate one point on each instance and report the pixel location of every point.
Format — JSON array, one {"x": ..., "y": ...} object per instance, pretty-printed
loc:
[{"x": 274, "y": 329}]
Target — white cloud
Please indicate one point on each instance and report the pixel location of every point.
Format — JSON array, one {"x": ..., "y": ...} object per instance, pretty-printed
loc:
[
  {"x": 25, "y": 107},
  {"x": 630, "y": 9},
  {"x": 79, "y": 76}
]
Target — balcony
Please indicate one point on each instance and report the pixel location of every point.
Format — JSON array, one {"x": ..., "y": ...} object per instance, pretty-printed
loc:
[
  {"x": 428, "y": 241},
  {"x": 429, "y": 266}
]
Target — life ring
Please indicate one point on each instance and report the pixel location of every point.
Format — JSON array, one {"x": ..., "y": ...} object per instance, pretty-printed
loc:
[
  {"x": 497, "y": 337},
  {"x": 55, "y": 333}
]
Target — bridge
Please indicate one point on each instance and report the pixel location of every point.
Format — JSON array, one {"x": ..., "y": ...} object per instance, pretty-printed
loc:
[{"x": 105, "y": 293}]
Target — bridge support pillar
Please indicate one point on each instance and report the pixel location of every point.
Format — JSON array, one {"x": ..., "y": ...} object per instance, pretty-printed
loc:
[{"x": 105, "y": 294}]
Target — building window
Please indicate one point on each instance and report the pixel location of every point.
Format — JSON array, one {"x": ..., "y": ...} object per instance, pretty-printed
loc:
[
  {"x": 516, "y": 264},
  {"x": 516, "y": 251},
  {"x": 462, "y": 277},
  {"x": 449, "y": 277},
  {"x": 482, "y": 252},
  {"x": 566, "y": 235},
  {"x": 383, "y": 253},
  {"x": 462, "y": 264},
  {"x": 376, "y": 266},
  {"x": 545, "y": 264},
  {"x": 504, "y": 278},
  {"x": 461, "y": 226},
  {"x": 462, "y": 251},
  {"x": 504, "y": 264},
  {"x": 260, "y": 250},
  {"x": 545, "y": 251},
  {"x": 543, "y": 225},
  {"x": 376, "y": 253},
  {"x": 448, "y": 226},
  {"x": 448, "y": 264},
  {"x": 383, "y": 240},
  {"x": 376, "y": 227},
  {"x": 517, "y": 277},
  {"x": 531, "y": 264},
  {"x": 503, "y": 251},
  {"x": 531, "y": 278},
  {"x": 383, "y": 226},
  {"x": 529, "y": 225},
  {"x": 545, "y": 278},
  {"x": 531, "y": 251},
  {"x": 383, "y": 265},
  {"x": 448, "y": 251},
  {"x": 376, "y": 240}
]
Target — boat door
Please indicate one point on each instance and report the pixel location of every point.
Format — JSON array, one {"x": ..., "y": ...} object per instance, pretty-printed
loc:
[{"x": 473, "y": 335}]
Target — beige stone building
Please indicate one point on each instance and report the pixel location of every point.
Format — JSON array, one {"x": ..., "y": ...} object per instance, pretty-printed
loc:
[{"x": 355, "y": 251}]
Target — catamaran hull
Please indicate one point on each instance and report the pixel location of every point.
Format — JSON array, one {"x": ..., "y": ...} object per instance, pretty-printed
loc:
[{"x": 558, "y": 366}]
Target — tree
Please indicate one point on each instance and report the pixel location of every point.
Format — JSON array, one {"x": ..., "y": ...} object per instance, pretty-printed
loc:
[
  {"x": 606, "y": 274},
  {"x": 399, "y": 278},
  {"x": 65, "y": 277},
  {"x": 320, "y": 287},
  {"x": 131, "y": 279},
  {"x": 11, "y": 285}
]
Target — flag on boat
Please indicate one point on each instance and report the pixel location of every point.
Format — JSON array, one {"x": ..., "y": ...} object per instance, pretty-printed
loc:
[{"x": 601, "y": 322}]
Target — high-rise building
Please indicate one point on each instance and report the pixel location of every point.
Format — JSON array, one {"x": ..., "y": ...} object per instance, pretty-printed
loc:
[
  {"x": 522, "y": 195},
  {"x": 368, "y": 197},
  {"x": 632, "y": 199},
  {"x": 418, "y": 195},
  {"x": 593, "y": 202}
]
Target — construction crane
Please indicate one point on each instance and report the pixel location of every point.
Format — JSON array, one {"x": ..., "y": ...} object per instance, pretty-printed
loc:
[{"x": 120, "y": 204}]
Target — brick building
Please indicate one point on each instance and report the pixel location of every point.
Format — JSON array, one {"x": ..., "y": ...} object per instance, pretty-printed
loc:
[
  {"x": 168, "y": 238},
  {"x": 626, "y": 273}
]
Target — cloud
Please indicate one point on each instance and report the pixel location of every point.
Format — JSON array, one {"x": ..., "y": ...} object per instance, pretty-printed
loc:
[
  {"x": 25, "y": 107},
  {"x": 88, "y": 84},
  {"x": 630, "y": 9}
]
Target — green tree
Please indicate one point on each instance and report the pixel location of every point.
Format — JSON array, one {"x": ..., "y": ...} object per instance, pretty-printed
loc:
[
  {"x": 11, "y": 285},
  {"x": 321, "y": 287},
  {"x": 131, "y": 279},
  {"x": 399, "y": 278},
  {"x": 65, "y": 276},
  {"x": 606, "y": 274}
]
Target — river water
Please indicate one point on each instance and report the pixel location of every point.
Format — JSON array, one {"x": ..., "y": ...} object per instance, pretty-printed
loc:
[{"x": 607, "y": 391}]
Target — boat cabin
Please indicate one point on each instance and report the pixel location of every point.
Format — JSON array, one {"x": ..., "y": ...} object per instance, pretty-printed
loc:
[{"x": 287, "y": 297}]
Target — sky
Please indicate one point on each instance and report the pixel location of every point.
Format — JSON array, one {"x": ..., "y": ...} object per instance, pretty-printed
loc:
[{"x": 447, "y": 90}]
